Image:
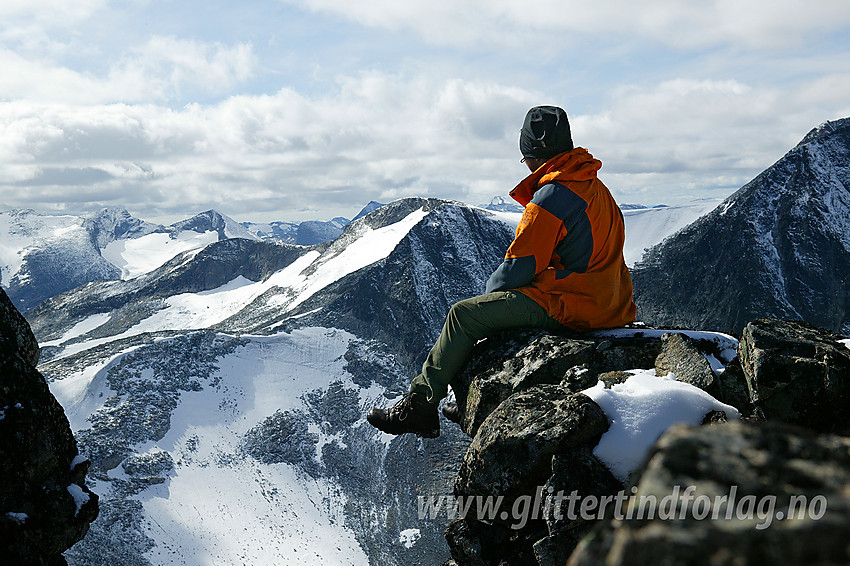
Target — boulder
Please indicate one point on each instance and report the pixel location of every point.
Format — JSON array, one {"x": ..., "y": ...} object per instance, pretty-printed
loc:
[
  {"x": 681, "y": 356},
  {"x": 514, "y": 361},
  {"x": 797, "y": 373},
  {"x": 534, "y": 435},
  {"x": 534, "y": 447},
  {"x": 577, "y": 474},
  {"x": 512, "y": 453},
  {"x": 732, "y": 494},
  {"x": 45, "y": 506},
  {"x": 15, "y": 333}
]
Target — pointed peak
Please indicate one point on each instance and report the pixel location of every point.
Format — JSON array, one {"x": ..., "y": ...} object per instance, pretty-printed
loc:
[
  {"x": 371, "y": 207},
  {"x": 214, "y": 221},
  {"x": 502, "y": 204},
  {"x": 826, "y": 130}
]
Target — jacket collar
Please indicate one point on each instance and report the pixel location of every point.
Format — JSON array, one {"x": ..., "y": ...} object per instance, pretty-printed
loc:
[{"x": 575, "y": 165}]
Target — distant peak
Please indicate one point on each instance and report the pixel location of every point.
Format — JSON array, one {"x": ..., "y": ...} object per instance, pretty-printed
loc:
[
  {"x": 502, "y": 204},
  {"x": 371, "y": 207},
  {"x": 212, "y": 220}
]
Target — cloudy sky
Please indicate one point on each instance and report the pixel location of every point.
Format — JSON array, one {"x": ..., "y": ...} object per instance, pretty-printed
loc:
[{"x": 308, "y": 109}]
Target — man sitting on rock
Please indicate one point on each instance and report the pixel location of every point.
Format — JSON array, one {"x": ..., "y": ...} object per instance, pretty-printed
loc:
[{"x": 564, "y": 269}]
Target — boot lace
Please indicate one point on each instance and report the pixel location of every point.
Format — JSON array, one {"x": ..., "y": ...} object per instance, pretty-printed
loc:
[{"x": 403, "y": 408}]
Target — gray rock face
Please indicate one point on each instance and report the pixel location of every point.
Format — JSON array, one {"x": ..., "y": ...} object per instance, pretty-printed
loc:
[
  {"x": 15, "y": 333},
  {"x": 45, "y": 506},
  {"x": 798, "y": 374},
  {"x": 56, "y": 267},
  {"x": 783, "y": 489},
  {"x": 511, "y": 459},
  {"x": 778, "y": 247},
  {"x": 679, "y": 355}
]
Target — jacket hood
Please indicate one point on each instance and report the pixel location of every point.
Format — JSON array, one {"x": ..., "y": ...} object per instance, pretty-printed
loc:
[{"x": 575, "y": 165}]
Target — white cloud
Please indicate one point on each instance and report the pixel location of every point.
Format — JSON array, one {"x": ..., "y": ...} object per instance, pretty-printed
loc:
[
  {"x": 379, "y": 136},
  {"x": 162, "y": 69},
  {"x": 382, "y": 136},
  {"x": 49, "y": 12},
  {"x": 751, "y": 23},
  {"x": 166, "y": 64},
  {"x": 84, "y": 124},
  {"x": 680, "y": 138}
]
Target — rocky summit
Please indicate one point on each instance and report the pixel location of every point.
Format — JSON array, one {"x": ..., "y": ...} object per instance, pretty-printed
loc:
[
  {"x": 763, "y": 484},
  {"x": 45, "y": 506}
]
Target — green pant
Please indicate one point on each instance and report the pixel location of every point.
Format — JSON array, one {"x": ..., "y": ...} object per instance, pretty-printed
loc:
[{"x": 469, "y": 321}]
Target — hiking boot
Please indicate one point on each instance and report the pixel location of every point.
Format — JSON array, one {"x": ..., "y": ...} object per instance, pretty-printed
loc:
[
  {"x": 452, "y": 412},
  {"x": 412, "y": 414}
]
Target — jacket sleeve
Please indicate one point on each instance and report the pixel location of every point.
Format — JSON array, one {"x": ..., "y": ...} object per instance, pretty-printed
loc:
[{"x": 531, "y": 252}]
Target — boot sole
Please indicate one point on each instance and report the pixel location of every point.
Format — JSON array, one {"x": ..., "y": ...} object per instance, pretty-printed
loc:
[
  {"x": 429, "y": 434},
  {"x": 433, "y": 433}
]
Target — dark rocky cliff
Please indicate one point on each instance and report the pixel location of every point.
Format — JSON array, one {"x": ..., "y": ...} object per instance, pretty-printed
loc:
[
  {"x": 778, "y": 247},
  {"x": 534, "y": 433},
  {"x": 45, "y": 506}
]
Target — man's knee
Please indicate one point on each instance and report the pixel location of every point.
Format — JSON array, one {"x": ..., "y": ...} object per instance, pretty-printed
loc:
[{"x": 462, "y": 311}]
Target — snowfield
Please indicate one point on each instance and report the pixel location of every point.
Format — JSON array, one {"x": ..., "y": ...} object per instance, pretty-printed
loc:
[{"x": 138, "y": 256}]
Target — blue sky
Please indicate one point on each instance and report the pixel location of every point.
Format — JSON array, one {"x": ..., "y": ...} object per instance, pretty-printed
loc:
[{"x": 301, "y": 109}]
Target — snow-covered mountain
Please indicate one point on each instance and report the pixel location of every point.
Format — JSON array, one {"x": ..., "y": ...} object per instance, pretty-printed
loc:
[
  {"x": 308, "y": 233},
  {"x": 220, "y": 396},
  {"x": 780, "y": 247},
  {"x": 503, "y": 204},
  {"x": 44, "y": 255}
]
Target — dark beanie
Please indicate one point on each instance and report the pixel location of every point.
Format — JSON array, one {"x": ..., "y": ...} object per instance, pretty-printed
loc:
[{"x": 545, "y": 133}]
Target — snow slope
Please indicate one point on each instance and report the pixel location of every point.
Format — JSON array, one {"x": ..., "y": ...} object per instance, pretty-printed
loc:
[
  {"x": 217, "y": 505},
  {"x": 141, "y": 255},
  {"x": 646, "y": 227}
]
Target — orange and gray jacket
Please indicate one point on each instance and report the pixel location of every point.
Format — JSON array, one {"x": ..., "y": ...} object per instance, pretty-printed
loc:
[{"x": 568, "y": 251}]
